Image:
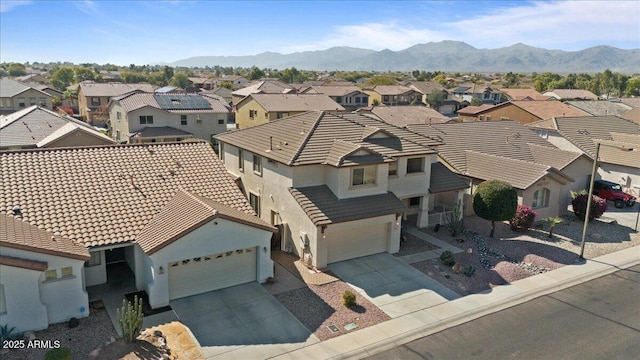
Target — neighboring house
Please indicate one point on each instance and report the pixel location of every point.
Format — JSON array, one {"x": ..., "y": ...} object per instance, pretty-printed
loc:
[
  {"x": 580, "y": 134},
  {"x": 634, "y": 102},
  {"x": 258, "y": 109},
  {"x": 571, "y": 94},
  {"x": 486, "y": 94},
  {"x": 348, "y": 96},
  {"x": 222, "y": 92},
  {"x": 524, "y": 112},
  {"x": 338, "y": 185},
  {"x": 405, "y": 115},
  {"x": 262, "y": 87},
  {"x": 522, "y": 94},
  {"x": 36, "y": 127},
  {"x": 633, "y": 115},
  {"x": 16, "y": 96},
  {"x": 236, "y": 80},
  {"x": 39, "y": 78},
  {"x": 93, "y": 99},
  {"x": 393, "y": 95},
  {"x": 41, "y": 275},
  {"x": 600, "y": 107},
  {"x": 426, "y": 88},
  {"x": 470, "y": 113},
  {"x": 153, "y": 117},
  {"x": 542, "y": 174},
  {"x": 202, "y": 83},
  {"x": 161, "y": 214}
]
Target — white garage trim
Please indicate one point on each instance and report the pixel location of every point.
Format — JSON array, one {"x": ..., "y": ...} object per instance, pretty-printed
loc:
[
  {"x": 212, "y": 272},
  {"x": 361, "y": 241}
]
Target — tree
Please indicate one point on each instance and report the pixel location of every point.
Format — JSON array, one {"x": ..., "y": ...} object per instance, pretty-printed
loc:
[
  {"x": 440, "y": 78},
  {"x": 82, "y": 74},
  {"x": 475, "y": 101},
  {"x": 167, "y": 72},
  {"x": 255, "y": 73},
  {"x": 16, "y": 69},
  {"x": 62, "y": 77},
  {"x": 381, "y": 80},
  {"x": 180, "y": 80},
  {"x": 495, "y": 200},
  {"x": 436, "y": 98},
  {"x": 226, "y": 85},
  {"x": 70, "y": 95},
  {"x": 633, "y": 87}
]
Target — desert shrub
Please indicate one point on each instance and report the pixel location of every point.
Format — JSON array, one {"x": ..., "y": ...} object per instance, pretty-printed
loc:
[
  {"x": 447, "y": 258},
  {"x": 469, "y": 270},
  {"x": 348, "y": 298},
  {"x": 130, "y": 318},
  {"x": 525, "y": 216},
  {"x": 58, "y": 354},
  {"x": 454, "y": 221},
  {"x": 598, "y": 206}
]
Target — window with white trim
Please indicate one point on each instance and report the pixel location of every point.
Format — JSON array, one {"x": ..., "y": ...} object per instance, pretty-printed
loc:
[
  {"x": 240, "y": 160},
  {"x": 146, "y": 119},
  {"x": 415, "y": 165},
  {"x": 257, "y": 165},
  {"x": 363, "y": 176},
  {"x": 393, "y": 169},
  {"x": 254, "y": 201},
  {"x": 540, "y": 198}
]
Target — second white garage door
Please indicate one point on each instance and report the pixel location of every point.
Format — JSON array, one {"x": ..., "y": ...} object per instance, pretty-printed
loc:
[
  {"x": 358, "y": 242},
  {"x": 212, "y": 272}
]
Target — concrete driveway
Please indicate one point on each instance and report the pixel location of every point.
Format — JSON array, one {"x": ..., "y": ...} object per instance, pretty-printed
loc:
[
  {"x": 224, "y": 321},
  {"x": 392, "y": 285}
]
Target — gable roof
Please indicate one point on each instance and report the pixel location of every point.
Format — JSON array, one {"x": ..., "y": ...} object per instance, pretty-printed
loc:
[
  {"x": 264, "y": 87},
  {"x": 600, "y": 107},
  {"x": 633, "y": 115},
  {"x": 426, "y": 87},
  {"x": 541, "y": 109},
  {"x": 36, "y": 127},
  {"x": 571, "y": 94},
  {"x": 308, "y": 138},
  {"x": 294, "y": 102},
  {"x": 406, "y": 114},
  {"x": 11, "y": 88},
  {"x": 186, "y": 212},
  {"x": 443, "y": 179},
  {"x": 500, "y": 140},
  {"x": 391, "y": 89},
  {"x": 108, "y": 194},
  {"x": 324, "y": 208},
  {"x": 173, "y": 103},
  {"x": 474, "y": 110},
  {"x": 523, "y": 94},
  {"x": 18, "y": 234},
  {"x": 338, "y": 90},
  {"x": 112, "y": 89}
]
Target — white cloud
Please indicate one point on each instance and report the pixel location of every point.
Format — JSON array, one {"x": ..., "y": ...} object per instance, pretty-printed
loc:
[
  {"x": 8, "y": 5},
  {"x": 86, "y": 6}
]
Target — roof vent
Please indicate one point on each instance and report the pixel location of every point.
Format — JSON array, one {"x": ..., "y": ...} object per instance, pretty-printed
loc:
[{"x": 16, "y": 210}]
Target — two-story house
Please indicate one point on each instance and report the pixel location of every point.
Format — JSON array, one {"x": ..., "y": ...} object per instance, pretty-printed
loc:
[
  {"x": 257, "y": 109},
  {"x": 484, "y": 93},
  {"x": 262, "y": 87},
  {"x": 348, "y": 96},
  {"x": 156, "y": 117},
  {"x": 93, "y": 99},
  {"x": 393, "y": 95},
  {"x": 16, "y": 96},
  {"x": 337, "y": 186}
]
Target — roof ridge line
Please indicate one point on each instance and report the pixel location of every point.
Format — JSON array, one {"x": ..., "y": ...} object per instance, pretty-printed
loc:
[{"x": 306, "y": 138}]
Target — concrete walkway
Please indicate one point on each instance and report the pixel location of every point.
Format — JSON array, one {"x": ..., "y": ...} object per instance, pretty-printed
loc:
[
  {"x": 423, "y": 322},
  {"x": 427, "y": 255}
]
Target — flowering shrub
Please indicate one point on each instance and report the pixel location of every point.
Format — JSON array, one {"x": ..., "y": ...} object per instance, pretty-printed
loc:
[
  {"x": 598, "y": 206},
  {"x": 525, "y": 216}
]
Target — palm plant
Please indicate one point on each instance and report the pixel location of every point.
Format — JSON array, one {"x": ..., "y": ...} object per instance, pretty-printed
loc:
[{"x": 553, "y": 221}]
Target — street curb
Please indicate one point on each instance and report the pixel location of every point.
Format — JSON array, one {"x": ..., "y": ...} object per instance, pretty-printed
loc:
[{"x": 596, "y": 268}]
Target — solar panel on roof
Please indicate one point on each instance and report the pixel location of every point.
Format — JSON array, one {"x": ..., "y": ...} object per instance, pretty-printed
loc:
[{"x": 182, "y": 102}]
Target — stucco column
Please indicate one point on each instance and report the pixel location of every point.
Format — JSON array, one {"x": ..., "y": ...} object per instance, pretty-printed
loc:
[{"x": 423, "y": 212}]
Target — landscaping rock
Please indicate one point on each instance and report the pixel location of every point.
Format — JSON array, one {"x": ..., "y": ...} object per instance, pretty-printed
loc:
[{"x": 73, "y": 323}]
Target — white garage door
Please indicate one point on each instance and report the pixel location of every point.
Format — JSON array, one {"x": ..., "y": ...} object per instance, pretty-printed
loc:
[
  {"x": 358, "y": 242},
  {"x": 197, "y": 275}
]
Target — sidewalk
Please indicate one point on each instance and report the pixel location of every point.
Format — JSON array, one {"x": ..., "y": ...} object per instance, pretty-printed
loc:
[{"x": 403, "y": 329}]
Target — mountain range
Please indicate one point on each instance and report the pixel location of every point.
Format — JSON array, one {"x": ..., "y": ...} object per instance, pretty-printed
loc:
[{"x": 446, "y": 55}]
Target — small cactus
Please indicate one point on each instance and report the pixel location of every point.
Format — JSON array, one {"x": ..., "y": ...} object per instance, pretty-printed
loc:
[{"x": 130, "y": 318}]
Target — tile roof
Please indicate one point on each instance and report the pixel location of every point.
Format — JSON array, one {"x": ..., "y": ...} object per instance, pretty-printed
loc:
[
  {"x": 294, "y": 102},
  {"x": 36, "y": 126},
  {"x": 23, "y": 263},
  {"x": 443, "y": 179},
  {"x": 11, "y": 88},
  {"x": 522, "y": 94},
  {"x": 308, "y": 138},
  {"x": 633, "y": 115},
  {"x": 634, "y": 102},
  {"x": 186, "y": 212},
  {"x": 18, "y": 234},
  {"x": 474, "y": 110},
  {"x": 391, "y": 89},
  {"x": 112, "y": 89},
  {"x": 500, "y": 139},
  {"x": 426, "y": 87},
  {"x": 160, "y": 131},
  {"x": 138, "y": 100},
  {"x": 106, "y": 195},
  {"x": 324, "y": 208},
  {"x": 337, "y": 90},
  {"x": 546, "y": 109},
  {"x": 600, "y": 107},
  {"x": 520, "y": 174},
  {"x": 264, "y": 87},
  {"x": 405, "y": 115},
  {"x": 571, "y": 94}
]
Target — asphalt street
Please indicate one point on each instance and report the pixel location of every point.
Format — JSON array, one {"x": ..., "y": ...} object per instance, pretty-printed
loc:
[{"x": 599, "y": 319}]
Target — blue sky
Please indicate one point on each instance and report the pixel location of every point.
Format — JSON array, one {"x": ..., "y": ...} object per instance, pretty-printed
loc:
[{"x": 143, "y": 32}]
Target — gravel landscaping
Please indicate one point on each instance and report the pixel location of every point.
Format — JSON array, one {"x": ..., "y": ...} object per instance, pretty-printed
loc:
[
  {"x": 93, "y": 332},
  {"x": 410, "y": 245},
  {"x": 318, "y": 306},
  {"x": 514, "y": 255}
]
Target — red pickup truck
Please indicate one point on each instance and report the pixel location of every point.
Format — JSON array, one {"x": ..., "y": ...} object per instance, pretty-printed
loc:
[{"x": 611, "y": 191}]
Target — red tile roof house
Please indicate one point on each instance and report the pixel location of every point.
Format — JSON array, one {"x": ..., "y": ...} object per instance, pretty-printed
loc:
[
  {"x": 170, "y": 210},
  {"x": 337, "y": 184},
  {"x": 542, "y": 174}
]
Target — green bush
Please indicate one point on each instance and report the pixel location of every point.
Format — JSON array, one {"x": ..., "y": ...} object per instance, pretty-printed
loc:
[
  {"x": 58, "y": 354},
  {"x": 495, "y": 200},
  {"x": 348, "y": 298},
  {"x": 469, "y": 270},
  {"x": 447, "y": 258}
]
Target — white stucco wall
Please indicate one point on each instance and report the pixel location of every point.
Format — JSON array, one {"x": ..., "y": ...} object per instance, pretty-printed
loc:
[
  {"x": 63, "y": 298},
  {"x": 25, "y": 311},
  {"x": 216, "y": 236},
  {"x": 96, "y": 275},
  {"x": 627, "y": 177}
]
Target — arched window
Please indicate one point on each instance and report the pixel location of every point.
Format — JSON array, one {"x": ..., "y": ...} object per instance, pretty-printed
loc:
[{"x": 540, "y": 198}]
